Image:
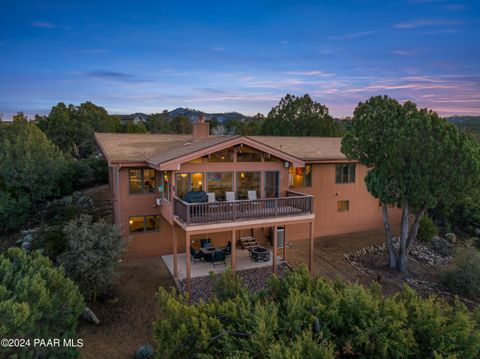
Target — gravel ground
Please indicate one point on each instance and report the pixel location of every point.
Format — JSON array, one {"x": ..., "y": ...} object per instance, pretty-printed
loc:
[{"x": 255, "y": 279}]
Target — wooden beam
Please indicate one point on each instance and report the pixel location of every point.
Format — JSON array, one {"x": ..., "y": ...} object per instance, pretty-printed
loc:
[
  {"x": 234, "y": 249},
  {"x": 284, "y": 243},
  {"x": 311, "y": 249},
  {"x": 175, "y": 252},
  {"x": 187, "y": 255},
  {"x": 274, "y": 249}
]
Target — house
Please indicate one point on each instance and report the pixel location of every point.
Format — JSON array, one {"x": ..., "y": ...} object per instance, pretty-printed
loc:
[
  {"x": 135, "y": 118},
  {"x": 254, "y": 184}
]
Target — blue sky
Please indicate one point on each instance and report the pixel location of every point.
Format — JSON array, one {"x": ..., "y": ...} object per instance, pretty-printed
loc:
[{"x": 131, "y": 56}]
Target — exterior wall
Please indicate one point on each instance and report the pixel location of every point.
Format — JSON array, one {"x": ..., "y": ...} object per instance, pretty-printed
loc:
[{"x": 364, "y": 212}]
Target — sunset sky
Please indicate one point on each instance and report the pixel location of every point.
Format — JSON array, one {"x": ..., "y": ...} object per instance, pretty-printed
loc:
[{"x": 139, "y": 56}]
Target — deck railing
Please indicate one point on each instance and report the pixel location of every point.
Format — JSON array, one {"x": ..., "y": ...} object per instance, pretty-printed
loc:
[{"x": 293, "y": 204}]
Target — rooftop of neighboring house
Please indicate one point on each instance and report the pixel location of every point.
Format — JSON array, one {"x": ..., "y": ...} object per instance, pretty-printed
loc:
[{"x": 158, "y": 148}]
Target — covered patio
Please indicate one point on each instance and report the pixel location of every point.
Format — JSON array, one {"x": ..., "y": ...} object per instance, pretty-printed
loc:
[{"x": 203, "y": 269}]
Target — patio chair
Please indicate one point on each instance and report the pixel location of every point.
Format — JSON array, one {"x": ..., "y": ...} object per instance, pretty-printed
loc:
[
  {"x": 205, "y": 243},
  {"x": 252, "y": 195},
  {"x": 211, "y": 197},
  {"x": 230, "y": 196},
  {"x": 228, "y": 249},
  {"x": 197, "y": 256},
  {"x": 219, "y": 257}
]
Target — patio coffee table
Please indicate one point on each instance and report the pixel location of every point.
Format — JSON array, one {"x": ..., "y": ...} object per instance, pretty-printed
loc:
[
  {"x": 260, "y": 254},
  {"x": 207, "y": 252}
]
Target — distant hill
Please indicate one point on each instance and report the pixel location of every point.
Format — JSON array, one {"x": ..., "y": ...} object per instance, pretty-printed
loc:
[
  {"x": 466, "y": 123},
  {"x": 188, "y": 112}
]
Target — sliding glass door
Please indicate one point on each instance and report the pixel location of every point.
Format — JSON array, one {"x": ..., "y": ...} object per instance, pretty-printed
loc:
[
  {"x": 188, "y": 182},
  {"x": 248, "y": 181},
  {"x": 272, "y": 180}
]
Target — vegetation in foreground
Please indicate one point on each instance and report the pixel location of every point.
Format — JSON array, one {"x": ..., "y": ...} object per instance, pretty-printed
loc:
[
  {"x": 36, "y": 301},
  {"x": 301, "y": 317}
]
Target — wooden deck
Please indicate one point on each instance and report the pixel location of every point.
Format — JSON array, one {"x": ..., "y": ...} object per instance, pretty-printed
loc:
[{"x": 294, "y": 204}]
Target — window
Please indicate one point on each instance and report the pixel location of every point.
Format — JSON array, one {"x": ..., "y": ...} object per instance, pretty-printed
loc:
[
  {"x": 345, "y": 173},
  {"x": 219, "y": 183},
  {"x": 221, "y": 156},
  {"x": 142, "y": 180},
  {"x": 141, "y": 224},
  {"x": 186, "y": 182},
  {"x": 343, "y": 206},
  {"x": 267, "y": 157},
  {"x": 247, "y": 154},
  {"x": 165, "y": 186},
  {"x": 247, "y": 181},
  {"x": 301, "y": 176}
]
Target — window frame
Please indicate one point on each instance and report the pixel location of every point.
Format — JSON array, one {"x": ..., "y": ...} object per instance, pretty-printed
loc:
[
  {"x": 144, "y": 223},
  {"x": 351, "y": 175},
  {"x": 142, "y": 181},
  {"x": 343, "y": 209}
]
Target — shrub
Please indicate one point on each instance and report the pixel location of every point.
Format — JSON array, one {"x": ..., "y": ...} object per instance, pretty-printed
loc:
[
  {"x": 301, "y": 317},
  {"x": 93, "y": 253},
  {"x": 427, "y": 229},
  {"x": 464, "y": 277},
  {"x": 36, "y": 301}
]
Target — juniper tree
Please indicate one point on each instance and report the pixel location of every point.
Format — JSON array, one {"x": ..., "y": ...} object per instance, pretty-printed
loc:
[{"x": 415, "y": 158}]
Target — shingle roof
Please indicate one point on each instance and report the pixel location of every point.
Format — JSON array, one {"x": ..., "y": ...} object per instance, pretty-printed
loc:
[
  {"x": 158, "y": 148},
  {"x": 306, "y": 148}
]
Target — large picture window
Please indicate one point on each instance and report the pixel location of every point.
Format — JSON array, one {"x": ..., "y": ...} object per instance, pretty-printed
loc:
[
  {"x": 221, "y": 156},
  {"x": 247, "y": 181},
  {"x": 188, "y": 182},
  {"x": 141, "y": 180},
  {"x": 301, "y": 176},
  {"x": 140, "y": 224},
  {"x": 219, "y": 183},
  {"x": 345, "y": 173},
  {"x": 247, "y": 154}
]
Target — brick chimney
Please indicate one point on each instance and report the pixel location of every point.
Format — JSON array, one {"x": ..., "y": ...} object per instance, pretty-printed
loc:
[{"x": 200, "y": 128}]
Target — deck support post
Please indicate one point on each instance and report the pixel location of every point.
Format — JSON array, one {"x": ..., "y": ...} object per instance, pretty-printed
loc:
[
  {"x": 187, "y": 256},
  {"x": 234, "y": 249},
  {"x": 310, "y": 266},
  {"x": 284, "y": 243},
  {"x": 274, "y": 249},
  {"x": 175, "y": 250}
]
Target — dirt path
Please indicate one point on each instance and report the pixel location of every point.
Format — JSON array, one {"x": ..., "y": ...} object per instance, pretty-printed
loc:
[
  {"x": 329, "y": 254},
  {"x": 127, "y": 324}
]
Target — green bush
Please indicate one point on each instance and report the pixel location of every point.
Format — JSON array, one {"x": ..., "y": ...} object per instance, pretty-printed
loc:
[
  {"x": 93, "y": 253},
  {"x": 464, "y": 277},
  {"x": 36, "y": 301},
  {"x": 300, "y": 317},
  {"x": 427, "y": 229}
]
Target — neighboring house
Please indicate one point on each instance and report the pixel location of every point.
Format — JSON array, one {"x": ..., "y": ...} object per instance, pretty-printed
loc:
[
  {"x": 302, "y": 183},
  {"x": 136, "y": 118}
]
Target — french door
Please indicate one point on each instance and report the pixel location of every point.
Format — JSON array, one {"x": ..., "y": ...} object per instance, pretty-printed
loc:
[{"x": 272, "y": 180}]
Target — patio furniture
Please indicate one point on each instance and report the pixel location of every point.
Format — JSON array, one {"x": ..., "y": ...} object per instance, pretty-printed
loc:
[
  {"x": 205, "y": 243},
  {"x": 248, "y": 242},
  {"x": 219, "y": 257},
  {"x": 228, "y": 249},
  {"x": 260, "y": 254},
  {"x": 197, "y": 256},
  {"x": 211, "y": 197},
  {"x": 252, "y": 195},
  {"x": 230, "y": 196},
  {"x": 207, "y": 253}
]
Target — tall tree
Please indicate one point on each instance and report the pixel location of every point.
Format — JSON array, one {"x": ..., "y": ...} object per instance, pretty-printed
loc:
[
  {"x": 31, "y": 167},
  {"x": 72, "y": 128},
  {"x": 300, "y": 116},
  {"x": 181, "y": 124},
  {"x": 415, "y": 159}
]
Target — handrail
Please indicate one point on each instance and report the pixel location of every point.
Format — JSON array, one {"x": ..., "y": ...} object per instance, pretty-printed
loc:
[{"x": 214, "y": 212}]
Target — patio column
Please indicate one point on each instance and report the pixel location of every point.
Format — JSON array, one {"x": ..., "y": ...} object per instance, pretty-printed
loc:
[
  {"x": 187, "y": 256},
  {"x": 234, "y": 248},
  {"x": 284, "y": 243},
  {"x": 175, "y": 257},
  {"x": 274, "y": 249},
  {"x": 311, "y": 249}
]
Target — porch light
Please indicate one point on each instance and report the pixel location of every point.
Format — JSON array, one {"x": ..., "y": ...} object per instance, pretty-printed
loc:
[{"x": 183, "y": 175}]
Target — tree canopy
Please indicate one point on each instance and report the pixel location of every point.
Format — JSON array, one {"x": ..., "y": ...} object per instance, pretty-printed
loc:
[
  {"x": 301, "y": 317},
  {"x": 31, "y": 168},
  {"x": 72, "y": 127},
  {"x": 416, "y": 160},
  {"x": 300, "y": 116},
  {"x": 36, "y": 301}
]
